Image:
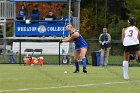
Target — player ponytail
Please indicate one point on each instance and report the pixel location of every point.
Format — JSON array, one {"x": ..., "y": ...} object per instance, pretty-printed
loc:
[{"x": 132, "y": 21}]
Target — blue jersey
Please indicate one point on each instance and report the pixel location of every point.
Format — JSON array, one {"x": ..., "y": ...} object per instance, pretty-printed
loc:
[
  {"x": 35, "y": 15},
  {"x": 79, "y": 42},
  {"x": 107, "y": 38},
  {"x": 22, "y": 13}
]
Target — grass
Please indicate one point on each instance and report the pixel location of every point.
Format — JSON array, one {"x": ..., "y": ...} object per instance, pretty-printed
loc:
[
  {"x": 51, "y": 79},
  {"x": 49, "y": 59}
]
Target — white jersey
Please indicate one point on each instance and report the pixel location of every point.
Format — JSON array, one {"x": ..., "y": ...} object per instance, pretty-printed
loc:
[{"x": 131, "y": 36}]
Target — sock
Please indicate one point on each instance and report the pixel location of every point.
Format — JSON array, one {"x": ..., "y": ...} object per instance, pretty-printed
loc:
[
  {"x": 77, "y": 66},
  {"x": 84, "y": 63},
  {"x": 125, "y": 69}
]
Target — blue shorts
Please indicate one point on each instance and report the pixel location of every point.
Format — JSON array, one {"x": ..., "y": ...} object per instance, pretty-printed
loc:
[{"x": 79, "y": 48}]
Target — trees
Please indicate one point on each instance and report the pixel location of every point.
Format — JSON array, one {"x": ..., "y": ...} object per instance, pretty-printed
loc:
[
  {"x": 96, "y": 10},
  {"x": 94, "y": 16},
  {"x": 117, "y": 12},
  {"x": 56, "y": 8},
  {"x": 133, "y": 8}
]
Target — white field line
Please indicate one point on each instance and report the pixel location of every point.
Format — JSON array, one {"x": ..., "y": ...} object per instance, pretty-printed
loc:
[{"x": 71, "y": 86}]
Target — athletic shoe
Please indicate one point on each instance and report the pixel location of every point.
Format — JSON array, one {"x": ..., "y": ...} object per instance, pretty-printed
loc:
[
  {"x": 84, "y": 70},
  {"x": 126, "y": 78},
  {"x": 76, "y": 71}
]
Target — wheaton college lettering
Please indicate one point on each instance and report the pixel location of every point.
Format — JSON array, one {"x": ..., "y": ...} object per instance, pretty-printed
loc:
[{"x": 40, "y": 29}]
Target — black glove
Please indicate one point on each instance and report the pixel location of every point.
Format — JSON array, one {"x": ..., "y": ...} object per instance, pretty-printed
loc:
[{"x": 61, "y": 41}]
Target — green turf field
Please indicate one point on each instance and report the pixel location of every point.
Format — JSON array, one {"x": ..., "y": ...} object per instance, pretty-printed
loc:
[{"x": 51, "y": 79}]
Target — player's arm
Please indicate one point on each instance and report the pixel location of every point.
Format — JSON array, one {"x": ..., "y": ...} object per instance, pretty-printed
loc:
[
  {"x": 70, "y": 39},
  {"x": 101, "y": 42},
  {"x": 123, "y": 34},
  {"x": 109, "y": 39},
  {"x": 139, "y": 34},
  {"x": 100, "y": 39}
]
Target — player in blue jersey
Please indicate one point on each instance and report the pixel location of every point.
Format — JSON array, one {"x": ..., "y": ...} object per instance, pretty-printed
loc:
[{"x": 80, "y": 47}]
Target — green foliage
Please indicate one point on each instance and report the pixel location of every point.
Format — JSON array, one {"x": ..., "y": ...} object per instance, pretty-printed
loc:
[
  {"x": 9, "y": 30},
  {"x": 90, "y": 22},
  {"x": 133, "y": 8},
  {"x": 85, "y": 22},
  {"x": 115, "y": 27},
  {"x": 116, "y": 24},
  {"x": 115, "y": 20},
  {"x": 92, "y": 17}
]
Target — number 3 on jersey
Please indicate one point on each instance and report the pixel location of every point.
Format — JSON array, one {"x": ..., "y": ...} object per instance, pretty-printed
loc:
[{"x": 130, "y": 33}]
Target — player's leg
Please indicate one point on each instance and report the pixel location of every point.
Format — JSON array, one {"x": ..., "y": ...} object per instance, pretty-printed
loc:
[
  {"x": 102, "y": 57},
  {"x": 125, "y": 65},
  {"x": 107, "y": 54},
  {"x": 138, "y": 56},
  {"x": 84, "y": 63},
  {"x": 76, "y": 57},
  {"x": 137, "y": 53}
]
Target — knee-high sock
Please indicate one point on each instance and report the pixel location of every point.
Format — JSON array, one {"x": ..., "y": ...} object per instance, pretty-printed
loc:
[
  {"x": 77, "y": 66},
  {"x": 84, "y": 63},
  {"x": 125, "y": 69}
]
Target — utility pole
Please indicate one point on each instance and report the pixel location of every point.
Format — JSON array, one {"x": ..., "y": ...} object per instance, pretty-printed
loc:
[
  {"x": 96, "y": 7},
  {"x": 105, "y": 12}
]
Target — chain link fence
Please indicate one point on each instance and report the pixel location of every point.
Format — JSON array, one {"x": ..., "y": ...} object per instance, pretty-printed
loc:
[
  {"x": 115, "y": 57},
  {"x": 116, "y": 52}
]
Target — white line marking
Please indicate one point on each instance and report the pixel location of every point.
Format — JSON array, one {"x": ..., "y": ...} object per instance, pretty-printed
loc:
[{"x": 72, "y": 86}]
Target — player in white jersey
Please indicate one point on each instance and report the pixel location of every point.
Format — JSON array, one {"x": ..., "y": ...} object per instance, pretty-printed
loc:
[
  {"x": 130, "y": 39},
  {"x": 131, "y": 36}
]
